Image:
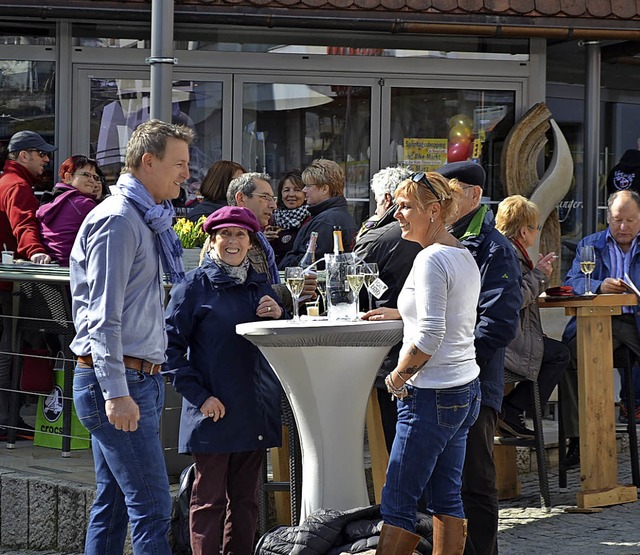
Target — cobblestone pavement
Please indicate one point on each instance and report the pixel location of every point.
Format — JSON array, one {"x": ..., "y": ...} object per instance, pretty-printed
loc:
[{"x": 526, "y": 529}]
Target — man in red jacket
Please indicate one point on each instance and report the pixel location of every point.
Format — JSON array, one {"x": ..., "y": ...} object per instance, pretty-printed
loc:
[{"x": 19, "y": 232}]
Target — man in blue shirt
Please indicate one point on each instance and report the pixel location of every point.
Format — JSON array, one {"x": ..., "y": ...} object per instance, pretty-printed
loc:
[
  {"x": 117, "y": 263},
  {"x": 617, "y": 253}
]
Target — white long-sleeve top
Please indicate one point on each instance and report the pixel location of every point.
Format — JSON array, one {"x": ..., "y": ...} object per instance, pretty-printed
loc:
[{"x": 438, "y": 307}]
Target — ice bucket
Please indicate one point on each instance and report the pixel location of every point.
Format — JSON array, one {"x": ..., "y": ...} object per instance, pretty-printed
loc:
[{"x": 341, "y": 302}]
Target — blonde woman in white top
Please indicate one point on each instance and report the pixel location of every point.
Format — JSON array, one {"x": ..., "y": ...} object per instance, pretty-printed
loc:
[{"x": 436, "y": 379}]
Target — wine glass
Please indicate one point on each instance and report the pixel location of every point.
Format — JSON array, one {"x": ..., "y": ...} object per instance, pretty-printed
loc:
[
  {"x": 355, "y": 279},
  {"x": 294, "y": 278},
  {"x": 371, "y": 273},
  {"x": 321, "y": 280},
  {"x": 587, "y": 265}
]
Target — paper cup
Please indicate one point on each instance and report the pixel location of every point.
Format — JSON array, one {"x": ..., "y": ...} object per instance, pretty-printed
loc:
[{"x": 7, "y": 257}]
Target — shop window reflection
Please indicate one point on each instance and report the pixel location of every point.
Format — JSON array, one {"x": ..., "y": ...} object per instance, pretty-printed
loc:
[
  {"x": 288, "y": 125},
  {"x": 27, "y": 102},
  {"x": 118, "y": 106},
  {"x": 430, "y": 127}
]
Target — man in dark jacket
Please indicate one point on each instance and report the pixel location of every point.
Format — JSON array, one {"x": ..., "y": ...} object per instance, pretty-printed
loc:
[
  {"x": 380, "y": 241},
  {"x": 498, "y": 312},
  {"x": 19, "y": 232}
]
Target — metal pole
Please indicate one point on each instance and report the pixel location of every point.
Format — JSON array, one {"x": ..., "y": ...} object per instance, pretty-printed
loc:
[
  {"x": 591, "y": 136},
  {"x": 161, "y": 59}
]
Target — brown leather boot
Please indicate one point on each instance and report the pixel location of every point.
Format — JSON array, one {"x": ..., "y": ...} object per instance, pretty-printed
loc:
[
  {"x": 396, "y": 541},
  {"x": 449, "y": 535}
]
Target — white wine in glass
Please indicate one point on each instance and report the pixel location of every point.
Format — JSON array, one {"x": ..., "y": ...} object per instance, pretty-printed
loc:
[
  {"x": 371, "y": 274},
  {"x": 294, "y": 278},
  {"x": 355, "y": 279},
  {"x": 587, "y": 265}
]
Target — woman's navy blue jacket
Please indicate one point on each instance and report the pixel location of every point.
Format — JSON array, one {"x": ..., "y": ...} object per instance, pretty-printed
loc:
[{"x": 206, "y": 358}]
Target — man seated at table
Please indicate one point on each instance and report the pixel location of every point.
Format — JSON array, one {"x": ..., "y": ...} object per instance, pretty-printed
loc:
[{"x": 617, "y": 254}]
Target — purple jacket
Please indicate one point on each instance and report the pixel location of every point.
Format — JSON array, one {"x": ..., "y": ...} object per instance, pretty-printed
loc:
[{"x": 60, "y": 220}]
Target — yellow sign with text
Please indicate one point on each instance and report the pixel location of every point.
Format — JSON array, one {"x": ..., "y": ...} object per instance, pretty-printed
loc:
[{"x": 425, "y": 154}]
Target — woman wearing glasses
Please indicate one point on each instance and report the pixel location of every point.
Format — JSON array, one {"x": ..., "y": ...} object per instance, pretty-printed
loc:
[
  {"x": 65, "y": 208},
  {"x": 436, "y": 378}
]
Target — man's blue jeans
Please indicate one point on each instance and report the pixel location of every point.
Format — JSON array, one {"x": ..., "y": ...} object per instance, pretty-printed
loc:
[
  {"x": 131, "y": 475},
  {"x": 428, "y": 453}
]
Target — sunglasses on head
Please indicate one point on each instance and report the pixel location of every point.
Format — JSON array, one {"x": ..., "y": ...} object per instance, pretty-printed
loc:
[{"x": 421, "y": 177}]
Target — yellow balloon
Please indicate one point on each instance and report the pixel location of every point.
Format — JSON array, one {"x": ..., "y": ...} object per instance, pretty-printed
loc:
[
  {"x": 460, "y": 132},
  {"x": 460, "y": 119}
]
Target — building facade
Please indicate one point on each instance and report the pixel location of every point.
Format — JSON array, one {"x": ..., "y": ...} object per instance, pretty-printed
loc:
[{"x": 368, "y": 83}]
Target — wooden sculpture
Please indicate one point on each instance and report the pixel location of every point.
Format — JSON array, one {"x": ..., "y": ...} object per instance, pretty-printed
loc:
[{"x": 519, "y": 163}]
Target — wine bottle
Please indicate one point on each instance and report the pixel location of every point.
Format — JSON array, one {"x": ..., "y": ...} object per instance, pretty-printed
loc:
[
  {"x": 338, "y": 248},
  {"x": 309, "y": 257}
]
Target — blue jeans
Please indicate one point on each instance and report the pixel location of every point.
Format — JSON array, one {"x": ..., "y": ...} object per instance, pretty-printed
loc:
[
  {"x": 428, "y": 453},
  {"x": 131, "y": 475}
]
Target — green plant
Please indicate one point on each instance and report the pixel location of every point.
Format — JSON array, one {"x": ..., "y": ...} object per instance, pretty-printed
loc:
[{"x": 191, "y": 235}]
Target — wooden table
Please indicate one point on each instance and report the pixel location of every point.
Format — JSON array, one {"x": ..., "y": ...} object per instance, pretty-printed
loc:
[{"x": 598, "y": 453}]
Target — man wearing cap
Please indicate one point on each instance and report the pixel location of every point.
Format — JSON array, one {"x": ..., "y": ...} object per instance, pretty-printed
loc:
[
  {"x": 28, "y": 155},
  {"x": 498, "y": 312},
  {"x": 120, "y": 254}
]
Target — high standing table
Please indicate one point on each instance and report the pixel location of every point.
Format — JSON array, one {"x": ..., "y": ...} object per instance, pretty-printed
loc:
[
  {"x": 598, "y": 453},
  {"x": 327, "y": 370}
]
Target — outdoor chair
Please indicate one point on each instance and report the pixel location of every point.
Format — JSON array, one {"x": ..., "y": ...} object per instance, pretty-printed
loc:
[
  {"x": 537, "y": 443},
  {"x": 294, "y": 485}
]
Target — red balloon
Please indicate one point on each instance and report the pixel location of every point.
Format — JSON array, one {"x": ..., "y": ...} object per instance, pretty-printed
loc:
[
  {"x": 457, "y": 152},
  {"x": 462, "y": 141}
]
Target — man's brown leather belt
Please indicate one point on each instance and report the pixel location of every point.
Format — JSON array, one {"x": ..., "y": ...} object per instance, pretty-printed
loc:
[{"x": 134, "y": 363}]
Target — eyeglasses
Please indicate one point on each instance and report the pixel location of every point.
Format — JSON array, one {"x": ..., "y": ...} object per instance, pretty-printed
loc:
[
  {"x": 421, "y": 177},
  {"x": 41, "y": 153},
  {"x": 535, "y": 227},
  {"x": 88, "y": 175},
  {"x": 264, "y": 196}
]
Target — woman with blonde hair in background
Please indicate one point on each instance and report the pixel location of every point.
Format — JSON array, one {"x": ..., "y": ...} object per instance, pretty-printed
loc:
[{"x": 531, "y": 354}]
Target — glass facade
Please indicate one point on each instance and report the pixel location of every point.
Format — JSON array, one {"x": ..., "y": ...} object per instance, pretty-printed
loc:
[
  {"x": 118, "y": 106},
  {"x": 27, "y": 102},
  {"x": 619, "y": 124},
  {"x": 306, "y": 111},
  {"x": 430, "y": 127},
  {"x": 287, "y": 125}
]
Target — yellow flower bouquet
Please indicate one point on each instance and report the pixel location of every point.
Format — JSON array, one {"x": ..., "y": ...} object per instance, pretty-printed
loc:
[{"x": 191, "y": 235}]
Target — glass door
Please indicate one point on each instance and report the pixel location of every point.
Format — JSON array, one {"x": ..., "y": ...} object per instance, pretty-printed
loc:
[
  {"x": 432, "y": 122},
  {"x": 119, "y": 101},
  {"x": 285, "y": 123}
]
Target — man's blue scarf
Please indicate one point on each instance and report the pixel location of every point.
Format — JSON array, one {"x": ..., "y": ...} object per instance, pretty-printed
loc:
[{"x": 159, "y": 218}]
